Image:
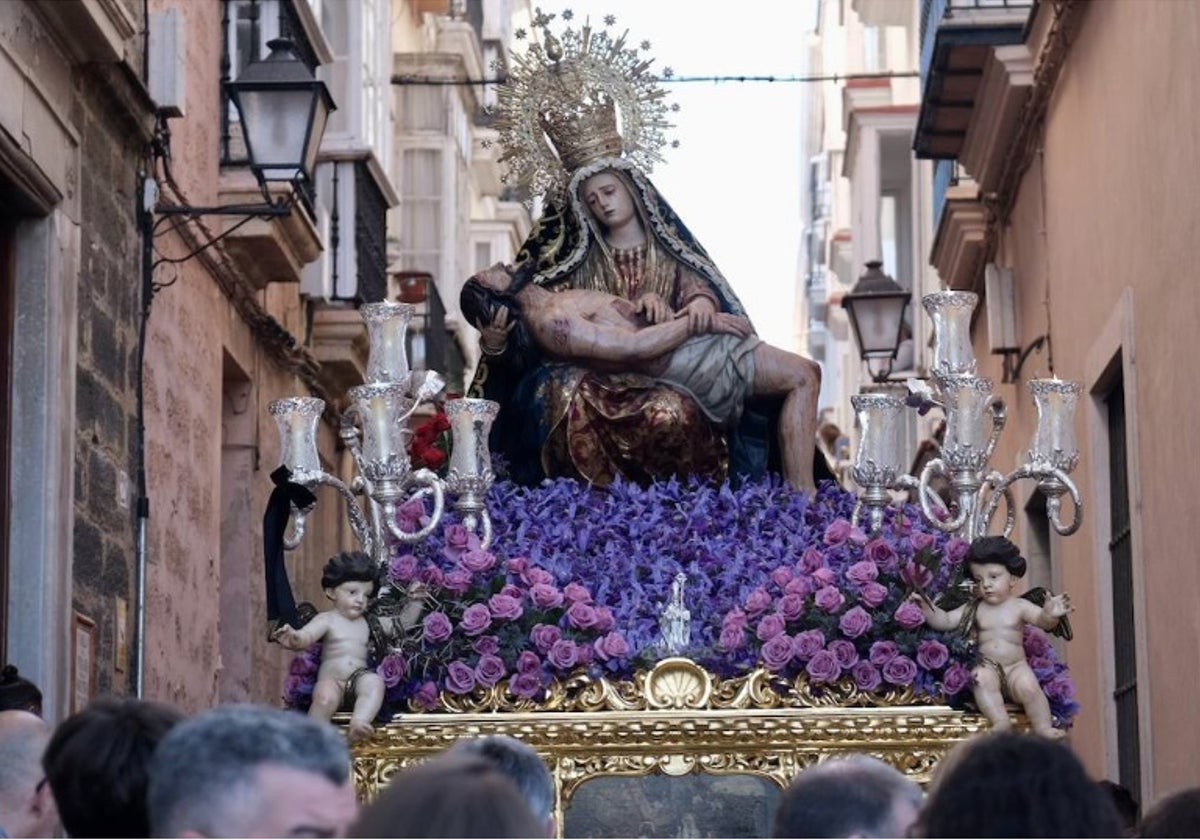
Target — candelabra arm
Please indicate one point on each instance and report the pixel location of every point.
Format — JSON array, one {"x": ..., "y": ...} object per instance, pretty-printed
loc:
[
  {"x": 948, "y": 525},
  {"x": 299, "y": 520},
  {"x": 432, "y": 484},
  {"x": 358, "y": 520},
  {"x": 908, "y": 482},
  {"x": 999, "y": 484},
  {"x": 485, "y": 520},
  {"x": 999, "y": 418},
  {"x": 349, "y": 434},
  {"x": 1059, "y": 480}
]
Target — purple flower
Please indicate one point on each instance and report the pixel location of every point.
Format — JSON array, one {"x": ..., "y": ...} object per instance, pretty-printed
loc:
[
  {"x": 823, "y": 667},
  {"x": 758, "y": 601},
  {"x": 460, "y": 678},
  {"x": 854, "y": 622},
  {"x": 770, "y": 626},
  {"x": 862, "y": 572},
  {"x": 544, "y": 636},
  {"x": 458, "y": 540},
  {"x": 528, "y": 661},
  {"x": 824, "y": 577},
  {"x": 837, "y": 532},
  {"x": 527, "y": 684},
  {"x": 533, "y": 575},
  {"x": 605, "y": 620},
  {"x": 921, "y": 541},
  {"x": 1059, "y": 688},
  {"x": 545, "y": 596},
  {"x": 512, "y": 591},
  {"x": 732, "y": 638},
  {"x": 808, "y": 643},
  {"x": 791, "y": 607},
  {"x": 486, "y": 644},
  {"x": 402, "y": 569},
  {"x": 431, "y": 575},
  {"x": 866, "y": 676},
  {"x": 437, "y": 627},
  {"x": 516, "y": 565},
  {"x": 457, "y": 581},
  {"x": 477, "y": 561},
  {"x": 829, "y": 598},
  {"x": 900, "y": 670},
  {"x": 577, "y": 594},
  {"x": 427, "y": 695},
  {"x": 475, "y": 619},
  {"x": 872, "y": 594},
  {"x": 811, "y": 560},
  {"x": 780, "y": 576},
  {"x": 612, "y": 646},
  {"x": 908, "y": 615},
  {"x": 932, "y": 654},
  {"x": 1036, "y": 643},
  {"x": 490, "y": 670},
  {"x": 410, "y": 514},
  {"x": 735, "y": 619},
  {"x": 504, "y": 608},
  {"x": 956, "y": 550},
  {"x": 916, "y": 576},
  {"x": 563, "y": 654},
  {"x": 582, "y": 616},
  {"x": 844, "y": 651},
  {"x": 800, "y": 586},
  {"x": 883, "y": 652},
  {"x": 956, "y": 678},
  {"x": 881, "y": 553},
  {"x": 296, "y": 686},
  {"x": 777, "y": 652}
]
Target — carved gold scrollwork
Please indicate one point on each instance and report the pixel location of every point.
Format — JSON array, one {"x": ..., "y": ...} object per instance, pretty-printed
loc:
[{"x": 676, "y": 684}]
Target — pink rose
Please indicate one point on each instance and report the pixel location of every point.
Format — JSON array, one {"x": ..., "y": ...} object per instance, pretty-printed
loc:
[
  {"x": 829, "y": 598},
  {"x": 758, "y": 601},
  {"x": 811, "y": 560},
  {"x": 457, "y": 581},
  {"x": 732, "y": 638},
  {"x": 490, "y": 670},
  {"x": 900, "y": 670},
  {"x": 402, "y": 569},
  {"x": 410, "y": 514},
  {"x": 437, "y": 628},
  {"x": 916, "y": 576},
  {"x": 791, "y": 607},
  {"x": 908, "y": 615},
  {"x": 854, "y": 622},
  {"x": 866, "y": 676},
  {"x": 532, "y": 576},
  {"x": 872, "y": 594},
  {"x": 770, "y": 626},
  {"x": 527, "y": 684},
  {"x": 857, "y": 537},
  {"x": 862, "y": 572},
  {"x": 808, "y": 643},
  {"x": 514, "y": 592},
  {"x": 956, "y": 549},
  {"x": 577, "y": 593},
  {"x": 544, "y": 636},
  {"x": 581, "y": 616},
  {"x": 844, "y": 652},
  {"x": 611, "y": 646},
  {"x": 563, "y": 654},
  {"x": 824, "y": 577},
  {"x": 477, "y": 561},
  {"x": 781, "y": 576},
  {"x": 432, "y": 576},
  {"x": 932, "y": 654},
  {"x": 516, "y": 565},
  {"x": 460, "y": 678},
  {"x": 881, "y": 553},
  {"x": 528, "y": 661},
  {"x": 735, "y": 618},
  {"x": 505, "y": 607},
  {"x": 777, "y": 652},
  {"x": 837, "y": 532},
  {"x": 956, "y": 678},
  {"x": 605, "y": 621},
  {"x": 458, "y": 539},
  {"x": 882, "y": 653},
  {"x": 823, "y": 667},
  {"x": 486, "y": 644},
  {"x": 801, "y": 586},
  {"x": 921, "y": 541},
  {"x": 427, "y": 696},
  {"x": 545, "y": 597},
  {"x": 475, "y": 619}
]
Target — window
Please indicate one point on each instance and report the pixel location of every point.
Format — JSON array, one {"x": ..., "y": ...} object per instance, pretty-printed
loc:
[{"x": 421, "y": 234}]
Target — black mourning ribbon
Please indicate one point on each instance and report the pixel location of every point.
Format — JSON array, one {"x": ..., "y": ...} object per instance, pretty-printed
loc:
[{"x": 281, "y": 604}]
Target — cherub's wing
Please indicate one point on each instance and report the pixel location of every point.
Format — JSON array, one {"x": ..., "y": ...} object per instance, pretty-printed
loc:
[{"x": 1038, "y": 596}]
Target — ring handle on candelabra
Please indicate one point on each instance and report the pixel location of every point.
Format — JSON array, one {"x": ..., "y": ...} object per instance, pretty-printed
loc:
[
  {"x": 485, "y": 541},
  {"x": 999, "y": 412},
  {"x": 358, "y": 520},
  {"x": 948, "y": 525},
  {"x": 299, "y": 519},
  {"x": 432, "y": 484},
  {"x": 1000, "y": 490},
  {"x": 907, "y": 482},
  {"x": 1053, "y": 482}
]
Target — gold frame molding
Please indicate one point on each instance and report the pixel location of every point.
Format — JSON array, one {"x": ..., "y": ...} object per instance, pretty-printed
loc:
[{"x": 677, "y": 719}]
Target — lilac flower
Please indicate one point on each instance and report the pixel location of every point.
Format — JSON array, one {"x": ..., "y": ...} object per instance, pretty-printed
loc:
[
  {"x": 837, "y": 532},
  {"x": 777, "y": 652},
  {"x": 612, "y": 646},
  {"x": 956, "y": 678},
  {"x": 932, "y": 654},
  {"x": 475, "y": 619},
  {"x": 577, "y": 594},
  {"x": 458, "y": 540},
  {"x": 544, "y": 636},
  {"x": 881, "y": 553},
  {"x": 563, "y": 654},
  {"x": 486, "y": 645},
  {"x": 437, "y": 627},
  {"x": 829, "y": 598},
  {"x": 477, "y": 561},
  {"x": 427, "y": 695},
  {"x": 900, "y": 670},
  {"x": 460, "y": 678},
  {"x": 490, "y": 670},
  {"x": 872, "y": 594},
  {"x": 758, "y": 602},
  {"x": 823, "y": 667},
  {"x": 526, "y": 684},
  {"x": 402, "y": 569},
  {"x": 504, "y": 607},
  {"x": 770, "y": 626},
  {"x": 855, "y": 622},
  {"x": 866, "y": 676},
  {"x": 545, "y": 596},
  {"x": 864, "y": 571},
  {"x": 908, "y": 615},
  {"x": 808, "y": 643},
  {"x": 528, "y": 661},
  {"x": 883, "y": 652},
  {"x": 791, "y": 607},
  {"x": 845, "y": 653}
]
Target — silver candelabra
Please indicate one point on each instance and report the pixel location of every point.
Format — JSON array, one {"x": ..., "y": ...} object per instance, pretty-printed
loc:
[
  {"x": 974, "y": 417},
  {"x": 375, "y": 430}
]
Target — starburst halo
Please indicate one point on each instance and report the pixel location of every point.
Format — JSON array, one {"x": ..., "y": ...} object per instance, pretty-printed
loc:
[{"x": 564, "y": 77}]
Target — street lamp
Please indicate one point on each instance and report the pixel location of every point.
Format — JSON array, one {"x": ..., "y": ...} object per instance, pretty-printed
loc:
[
  {"x": 875, "y": 307},
  {"x": 283, "y": 109}
]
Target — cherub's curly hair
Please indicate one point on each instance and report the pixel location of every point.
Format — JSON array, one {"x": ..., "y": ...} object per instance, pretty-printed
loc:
[
  {"x": 348, "y": 566},
  {"x": 1000, "y": 550}
]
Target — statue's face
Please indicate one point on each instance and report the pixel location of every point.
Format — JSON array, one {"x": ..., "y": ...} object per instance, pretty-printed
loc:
[
  {"x": 993, "y": 583},
  {"x": 496, "y": 278},
  {"x": 608, "y": 200},
  {"x": 350, "y": 598}
]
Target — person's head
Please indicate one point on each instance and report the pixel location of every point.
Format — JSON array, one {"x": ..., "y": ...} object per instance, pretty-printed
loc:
[
  {"x": 1125, "y": 803},
  {"x": 608, "y": 198},
  {"x": 995, "y": 564},
  {"x": 18, "y": 693},
  {"x": 854, "y": 796},
  {"x": 520, "y": 763},
  {"x": 98, "y": 765},
  {"x": 1011, "y": 784},
  {"x": 349, "y": 580},
  {"x": 251, "y": 771},
  {"x": 1176, "y": 816},
  {"x": 26, "y": 804},
  {"x": 451, "y": 795}
]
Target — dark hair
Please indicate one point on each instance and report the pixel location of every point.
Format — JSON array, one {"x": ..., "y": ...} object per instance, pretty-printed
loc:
[
  {"x": 18, "y": 693},
  {"x": 347, "y": 566},
  {"x": 1000, "y": 550},
  {"x": 97, "y": 764},
  {"x": 520, "y": 763},
  {"x": 1125, "y": 803},
  {"x": 854, "y": 796},
  {"x": 1010, "y": 784},
  {"x": 451, "y": 795},
  {"x": 1176, "y": 816},
  {"x": 479, "y": 306}
]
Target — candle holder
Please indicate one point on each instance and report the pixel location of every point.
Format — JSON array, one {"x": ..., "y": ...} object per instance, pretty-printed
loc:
[
  {"x": 975, "y": 418},
  {"x": 470, "y": 474}
]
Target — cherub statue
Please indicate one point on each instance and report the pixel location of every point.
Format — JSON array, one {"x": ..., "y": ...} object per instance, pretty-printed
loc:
[
  {"x": 349, "y": 580},
  {"x": 996, "y": 617}
]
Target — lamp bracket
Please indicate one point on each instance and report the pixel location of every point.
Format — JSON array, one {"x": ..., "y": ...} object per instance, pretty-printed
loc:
[{"x": 1014, "y": 359}]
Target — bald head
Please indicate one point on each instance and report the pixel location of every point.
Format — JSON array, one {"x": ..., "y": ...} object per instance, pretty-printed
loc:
[{"x": 26, "y": 806}]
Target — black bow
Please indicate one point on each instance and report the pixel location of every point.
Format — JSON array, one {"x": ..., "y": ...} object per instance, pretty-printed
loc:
[{"x": 281, "y": 604}]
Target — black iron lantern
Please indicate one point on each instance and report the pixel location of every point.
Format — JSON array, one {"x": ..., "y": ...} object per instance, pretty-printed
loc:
[
  {"x": 283, "y": 109},
  {"x": 875, "y": 307}
]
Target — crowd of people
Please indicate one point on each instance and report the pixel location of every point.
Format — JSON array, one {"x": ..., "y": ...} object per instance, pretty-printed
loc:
[{"x": 127, "y": 767}]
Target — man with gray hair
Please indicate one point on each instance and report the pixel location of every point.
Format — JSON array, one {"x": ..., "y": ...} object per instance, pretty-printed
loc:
[
  {"x": 851, "y": 796},
  {"x": 520, "y": 763},
  {"x": 26, "y": 803},
  {"x": 251, "y": 771}
]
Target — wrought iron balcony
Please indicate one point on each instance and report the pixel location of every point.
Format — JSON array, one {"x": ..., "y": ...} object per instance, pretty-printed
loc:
[{"x": 957, "y": 37}]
